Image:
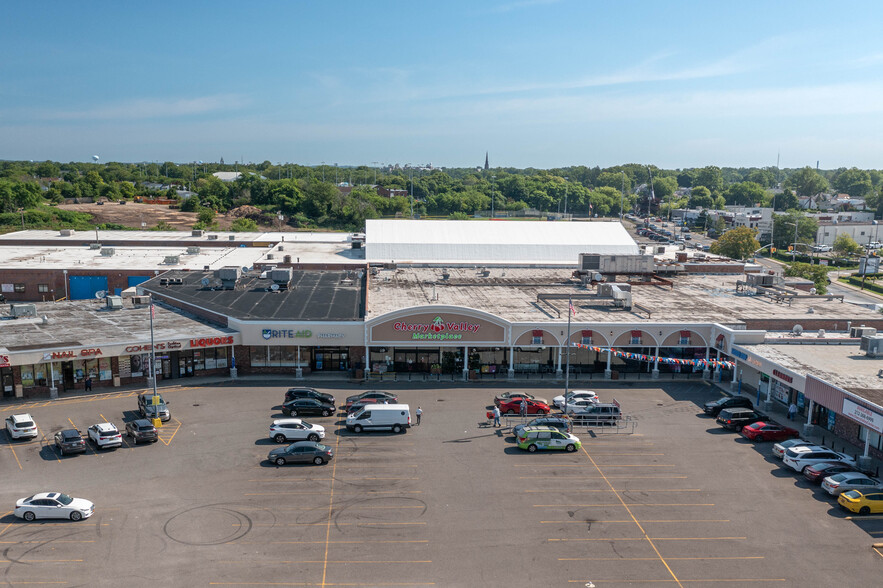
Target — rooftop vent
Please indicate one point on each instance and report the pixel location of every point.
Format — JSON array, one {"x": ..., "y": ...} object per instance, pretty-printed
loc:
[
  {"x": 196, "y": 233},
  {"x": 114, "y": 302},
  {"x": 140, "y": 300},
  {"x": 286, "y": 259},
  {"x": 67, "y": 232},
  {"x": 171, "y": 260},
  {"x": 94, "y": 245},
  {"x": 212, "y": 237},
  {"x": 270, "y": 256},
  {"x": 280, "y": 248},
  {"x": 108, "y": 252},
  {"x": 231, "y": 238},
  {"x": 192, "y": 250},
  {"x": 228, "y": 275},
  {"x": 20, "y": 310}
]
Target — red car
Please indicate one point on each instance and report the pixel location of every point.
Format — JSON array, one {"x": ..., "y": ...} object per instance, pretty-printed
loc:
[
  {"x": 761, "y": 431},
  {"x": 533, "y": 407},
  {"x": 817, "y": 472}
]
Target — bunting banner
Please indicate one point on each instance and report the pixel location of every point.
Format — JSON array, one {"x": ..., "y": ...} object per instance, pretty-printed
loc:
[{"x": 703, "y": 363}]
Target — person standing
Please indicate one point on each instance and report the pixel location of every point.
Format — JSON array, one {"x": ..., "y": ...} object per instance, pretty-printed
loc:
[
  {"x": 496, "y": 414},
  {"x": 523, "y": 410},
  {"x": 792, "y": 411},
  {"x": 419, "y": 414},
  {"x": 88, "y": 383}
]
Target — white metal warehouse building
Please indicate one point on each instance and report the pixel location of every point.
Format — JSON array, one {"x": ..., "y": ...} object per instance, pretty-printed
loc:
[{"x": 497, "y": 242}]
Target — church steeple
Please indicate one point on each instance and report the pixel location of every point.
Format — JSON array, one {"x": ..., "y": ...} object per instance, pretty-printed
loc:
[{"x": 485, "y": 160}]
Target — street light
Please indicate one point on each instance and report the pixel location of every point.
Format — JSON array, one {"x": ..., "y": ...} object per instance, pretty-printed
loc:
[
  {"x": 22, "y": 211},
  {"x": 566, "y": 179},
  {"x": 493, "y": 186},
  {"x": 621, "y": 195}
]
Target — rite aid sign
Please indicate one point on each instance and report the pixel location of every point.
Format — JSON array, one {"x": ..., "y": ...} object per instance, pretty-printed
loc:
[{"x": 863, "y": 416}]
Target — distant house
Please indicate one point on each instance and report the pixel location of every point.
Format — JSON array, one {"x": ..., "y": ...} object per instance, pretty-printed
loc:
[{"x": 391, "y": 192}]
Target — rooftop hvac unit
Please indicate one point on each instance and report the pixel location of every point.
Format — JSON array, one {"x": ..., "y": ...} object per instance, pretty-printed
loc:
[
  {"x": 94, "y": 245},
  {"x": 280, "y": 277},
  {"x": 108, "y": 252},
  {"x": 171, "y": 260},
  {"x": 192, "y": 250},
  {"x": 873, "y": 345},
  {"x": 761, "y": 280},
  {"x": 280, "y": 248},
  {"x": 228, "y": 275},
  {"x": 212, "y": 237},
  {"x": 196, "y": 233},
  {"x": 231, "y": 237},
  {"x": 114, "y": 302},
  {"x": 589, "y": 261},
  {"x": 21, "y": 310},
  {"x": 67, "y": 232},
  {"x": 286, "y": 259},
  {"x": 862, "y": 331},
  {"x": 357, "y": 240},
  {"x": 270, "y": 256},
  {"x": 140, "y": 300}
]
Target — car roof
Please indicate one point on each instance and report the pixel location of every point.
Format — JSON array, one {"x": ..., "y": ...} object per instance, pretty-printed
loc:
[
  {"x": 106, "y": 426},
  {"x": 540, "y": 428},
  {"x": 25, "y": 416},
  {"x": 39, "y": 495},
  {"x": 810, "y": 449},
  {"x": 142, "y": 422},
  {"x": 304, "y": 444},
  {"x": 70, "y": 433}
]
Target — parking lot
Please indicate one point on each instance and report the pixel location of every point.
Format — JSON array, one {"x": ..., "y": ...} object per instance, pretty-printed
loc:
[{"x": 451, "y": 503}]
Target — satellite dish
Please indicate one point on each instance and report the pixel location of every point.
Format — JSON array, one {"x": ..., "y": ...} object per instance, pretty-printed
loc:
[
  {"x": 205, "y": 282},
  {"x": 797, "y": 330},
  {"x": 274, "y": 288},
  {"x": 100, "y": 294},
  {"x": 244, "y": 268},
  {"x": 95, "y": 158}
]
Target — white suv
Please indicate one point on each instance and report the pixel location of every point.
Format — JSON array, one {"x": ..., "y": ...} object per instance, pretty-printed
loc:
[
  {"x": 105, "y": 435},
  {"x": 20, "y": 426},
  {"x": 295, "y": 430},
  {"x": 798, "y": 458}
]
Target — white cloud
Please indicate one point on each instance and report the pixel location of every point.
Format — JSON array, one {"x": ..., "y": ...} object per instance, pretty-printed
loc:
[{"x": 147, "y": 108}]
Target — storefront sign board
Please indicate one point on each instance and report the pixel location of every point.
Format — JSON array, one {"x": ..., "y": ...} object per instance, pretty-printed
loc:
[{"x": 863, "y": 416}]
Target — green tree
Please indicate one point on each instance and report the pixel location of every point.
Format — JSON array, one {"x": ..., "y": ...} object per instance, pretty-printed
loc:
[
  {"x": 664, "y": 187},
  {"x": 806, "y": 182},
  {"x": 47, "y": 169},
  {"x": 846, "y": 246},
  {"x": 244, "y": 225},
  {"x": 744, "y": 194},
  {"x": 700, "y": 197},
  {"x": 737, "y": 243},
  {"x": 783, "y": 229},
  {"x": 787, "y": 200},
  {"x": 764, "y": 177},
  {"x": 817, "y": 273},
  {"x": 855, "y": 182},
  {"x": 613, "y": 180},
  {"x": 163, "y": 226},
  {"x": 710, "y": 177}
]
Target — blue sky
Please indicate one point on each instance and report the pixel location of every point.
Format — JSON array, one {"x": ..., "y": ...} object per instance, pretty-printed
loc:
[{"x": 537, "y": 83}]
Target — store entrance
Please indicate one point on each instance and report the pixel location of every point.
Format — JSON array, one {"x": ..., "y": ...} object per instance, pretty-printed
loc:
[
  {"x": 415, "y": 360},
  {"x": 331, "y": 359},
  {"x": 7, "y": 382},
  {"x": 67, "y": 374}
]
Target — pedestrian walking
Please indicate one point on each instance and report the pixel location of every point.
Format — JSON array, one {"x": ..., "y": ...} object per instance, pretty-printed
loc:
[
  {"x": 523, "y": 407},
  {"x": 88, "y": 383},
  {"x": 419, "y": 414},
  {"x": 496, "y": 416},
  {"x": 792, "y": 411}
]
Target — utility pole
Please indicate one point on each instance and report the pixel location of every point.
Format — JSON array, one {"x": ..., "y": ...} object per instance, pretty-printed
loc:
[
  {"x": 493, "y": 186},
  {"x": 621, "y": 196},
  {"x": 566, "y": 179}
]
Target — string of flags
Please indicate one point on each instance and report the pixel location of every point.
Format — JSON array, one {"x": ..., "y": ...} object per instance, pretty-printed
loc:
[{"x": 703, "y": 363}]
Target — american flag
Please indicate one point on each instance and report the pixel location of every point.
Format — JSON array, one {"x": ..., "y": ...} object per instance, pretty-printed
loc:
[
  {"x": 152, "y": 313},
  {"x": 572, "y": 309}
]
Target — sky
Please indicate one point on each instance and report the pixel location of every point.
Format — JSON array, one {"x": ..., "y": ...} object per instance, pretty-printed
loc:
[{"x": 535, "y": 83}]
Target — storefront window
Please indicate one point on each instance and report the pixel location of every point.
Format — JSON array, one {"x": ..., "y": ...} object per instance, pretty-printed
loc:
[
  {"x": 210, "y": 362},
  {"x": 288, "y": 356},
  {"x": 40, "y": 374},
  {"x": 79, "y": 371},
  {"x": 104, "y": 371},
  {"x": 27, "y": 375},
  {"x": 91, "y": 367},
  {"x": 259, "y": 356},
  {"x": 221, "y": 357},
  {"x": 198, "y": 360}
]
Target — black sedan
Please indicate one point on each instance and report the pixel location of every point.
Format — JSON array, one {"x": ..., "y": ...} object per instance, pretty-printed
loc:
[
  {"x": 293, "y": 393},
  {"x": 379, "y": 395},
  {"x": 713, "y": 408},
  {"x": 817, "y": 472},
  {"x": 70, "y": 441},
  {"x": 301, "y": 452},
  {"x": 307, "y": 406}
]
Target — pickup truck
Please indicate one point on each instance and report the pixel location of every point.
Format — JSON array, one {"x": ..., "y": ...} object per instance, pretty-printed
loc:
[{"x": 149, "y": 410}]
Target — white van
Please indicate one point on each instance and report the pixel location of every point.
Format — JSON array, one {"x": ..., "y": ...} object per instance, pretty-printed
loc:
[{"x": 395, "y": 417}]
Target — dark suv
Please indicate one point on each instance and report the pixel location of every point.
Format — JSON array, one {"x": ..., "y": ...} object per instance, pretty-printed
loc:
[
  {"x": 736, "y": 418},
  {"x": 70, "y": 441},
  {"x": 713, "y": 408},
  {"x": 561, "y": 422},
  {"x": 308, "y": 393},
  {"x": 141, "y": 430}
]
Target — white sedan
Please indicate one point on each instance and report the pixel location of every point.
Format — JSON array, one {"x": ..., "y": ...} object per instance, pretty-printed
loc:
[
  {"x": 53, "y": 505},
  {"x": 575, "y": 395},
  {"x": 286, "y": 430}
]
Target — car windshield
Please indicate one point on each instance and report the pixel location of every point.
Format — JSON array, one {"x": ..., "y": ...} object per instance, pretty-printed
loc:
[
  {"x": 306, "y": 424},
  {"x": 64, "y": 499},
  {"x": 854, "y": 494}
]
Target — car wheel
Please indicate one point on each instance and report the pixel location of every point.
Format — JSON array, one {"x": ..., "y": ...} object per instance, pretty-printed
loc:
[
  {"x": 864, "y": 510},
  {"x": 318, "y": 460},
  {"x": 510, "y": 411},
  {"x": 326, "y": 413},
  {"x": 280, "y": 438},
  {"x": 292, "y": 413},
  {"x": 738, "y": 429},
  {"x": 313, "y": 437},
  {"x": 29, "y": 516},
  {"x": 76, "y": 516},
  {"x": 280, "y": 461},
  {"x": 532, "y": 448},
  {"x": 541, "y": 412},
  {"x": 396, "y": 429},
  {"x": 357, "y": 428},
  {"x": 803, "y": 470},
  {"x": 134, "y": 439},
  {"x": 759, "y": 438},
  {"x": 571, "y": 447}
]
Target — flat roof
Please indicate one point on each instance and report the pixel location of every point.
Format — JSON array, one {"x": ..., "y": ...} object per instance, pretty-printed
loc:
[
  {"x": 181, "y": 236},
  {"x": 313, "y": 295},
  {"x": 313, "y": 253},
  {"x": 89, "y": 322},
  {"x": 77, "y": 257},
  {"x": 511, "y": 293},
  {"x": 493, "y": 241},
  {"x": 842, "y": 365}
]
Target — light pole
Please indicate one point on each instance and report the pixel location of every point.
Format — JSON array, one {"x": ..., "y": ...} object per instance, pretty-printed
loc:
[
  {"x": 621, "y": 196},
  {"x": 566, "y": 179},
  {"x": 794, "y": 247},
  {"x": 493, "y": 185},
  {"x": 22, "y": 211}
]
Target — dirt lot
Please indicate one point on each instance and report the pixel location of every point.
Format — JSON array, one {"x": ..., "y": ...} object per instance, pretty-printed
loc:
[{"x": 133, "y": 214}]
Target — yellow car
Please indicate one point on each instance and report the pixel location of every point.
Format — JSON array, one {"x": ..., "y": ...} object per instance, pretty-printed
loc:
[{"x": 855, "y": 501}]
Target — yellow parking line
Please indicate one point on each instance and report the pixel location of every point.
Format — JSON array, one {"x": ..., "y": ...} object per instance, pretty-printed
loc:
[
  {"x": 175, "y": 432},
  {"x": 322, "y": 542},
  {"x": 14, "y": 454},
  {"x": 7, "y": 526},
  {"x": 54, "y": 453}
]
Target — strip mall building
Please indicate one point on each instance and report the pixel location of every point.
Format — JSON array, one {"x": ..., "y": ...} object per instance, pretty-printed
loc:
[{"x": 472, "y": 299}]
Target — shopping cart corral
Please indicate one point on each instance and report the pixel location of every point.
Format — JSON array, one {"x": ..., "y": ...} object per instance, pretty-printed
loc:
[{"x": 625, "y": 425}]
